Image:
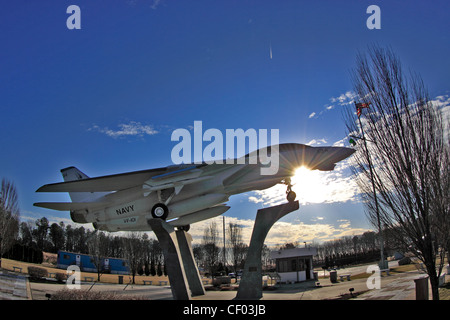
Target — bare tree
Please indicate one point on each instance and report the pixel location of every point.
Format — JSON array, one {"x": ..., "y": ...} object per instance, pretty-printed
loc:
[
  {"x": 238, "y": 248},
  {"x": 402, "y": 161},
  {"x": 25, "y": 233},
  {"x": 134, "y": 252},
  {"x": 156, "y": 256},
  {"x": 97, "y": 246},
  {"x": 210, "y": 247},
  {"x": 265, "y": 257},
  {"x": 9, "y": 216},
  {"x": 197, "y": 249}
]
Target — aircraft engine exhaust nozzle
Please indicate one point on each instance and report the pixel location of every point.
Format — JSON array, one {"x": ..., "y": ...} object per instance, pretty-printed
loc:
[{"x": 78, "y": 217}]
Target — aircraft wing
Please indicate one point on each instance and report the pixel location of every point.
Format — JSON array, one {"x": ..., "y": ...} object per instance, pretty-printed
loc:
[
  {"x": 293, "y": 155},
  {"x": 160, "y": 176}
]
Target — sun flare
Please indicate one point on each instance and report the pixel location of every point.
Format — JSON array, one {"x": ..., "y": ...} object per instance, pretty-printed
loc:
[
  {"x": 312, "y": 187},
  {"x": 309, "y": 185}
]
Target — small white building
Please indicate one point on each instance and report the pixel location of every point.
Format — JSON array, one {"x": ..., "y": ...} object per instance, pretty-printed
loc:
[{"x": 294, "y": 265}]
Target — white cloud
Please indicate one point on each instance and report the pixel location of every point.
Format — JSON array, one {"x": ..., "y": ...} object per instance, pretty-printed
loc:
[
  {"x": 281, "y": 232},
  {"x": 343, "y": 99},
  {"x": 344, "y": 223},
  {"x": 255, "y": 199},
  {"x": 443, "y": 103},
  {"x": 132, "y": 128},
  {"x": 340, "y": 143},
  {"x": 316, "y": 142}
]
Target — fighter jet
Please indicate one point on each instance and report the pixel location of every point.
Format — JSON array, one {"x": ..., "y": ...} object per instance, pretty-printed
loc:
[{"x": 180, "y": 194}]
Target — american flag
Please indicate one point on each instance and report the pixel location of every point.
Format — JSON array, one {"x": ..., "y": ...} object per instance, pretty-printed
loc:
[{"x": 359, "y": 107}]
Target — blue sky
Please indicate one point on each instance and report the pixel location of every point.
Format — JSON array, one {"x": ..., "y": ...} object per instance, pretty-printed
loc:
[{"x": 107, "y": 97}]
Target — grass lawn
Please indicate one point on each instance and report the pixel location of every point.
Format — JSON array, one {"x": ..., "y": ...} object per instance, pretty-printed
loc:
[
  {"x": 444, "y": 292},
  {"x": 8, "y": 264}
]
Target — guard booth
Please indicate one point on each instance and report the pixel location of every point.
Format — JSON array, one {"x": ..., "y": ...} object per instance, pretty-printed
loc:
[{"x": 294, "y": 265}]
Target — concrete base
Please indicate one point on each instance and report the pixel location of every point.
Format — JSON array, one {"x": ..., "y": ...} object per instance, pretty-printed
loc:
[
  {"x": 250, "y": 287},
  {"x": 179, "y": 260}
]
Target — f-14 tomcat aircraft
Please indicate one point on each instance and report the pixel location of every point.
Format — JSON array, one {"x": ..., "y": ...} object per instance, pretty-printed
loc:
[{"x": 180, "y": 194}]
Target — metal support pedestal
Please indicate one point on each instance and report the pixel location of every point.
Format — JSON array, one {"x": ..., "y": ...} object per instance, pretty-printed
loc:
[
  {"x": 179, "y": 260},
  {"x": 250, "y": 287},
  {"x": 190, "y": 267}
]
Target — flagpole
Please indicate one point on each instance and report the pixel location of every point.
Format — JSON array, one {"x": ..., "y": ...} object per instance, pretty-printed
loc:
[
  {"x": 380, "y": 231},
  {"x": 224, "y": 252}
]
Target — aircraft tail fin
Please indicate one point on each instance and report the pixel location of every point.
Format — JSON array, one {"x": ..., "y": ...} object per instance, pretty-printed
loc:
[{"x": 73, "y": 174}]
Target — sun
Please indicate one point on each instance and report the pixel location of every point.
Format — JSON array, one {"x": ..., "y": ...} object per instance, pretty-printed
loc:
[{"x": 309, "y": 185}]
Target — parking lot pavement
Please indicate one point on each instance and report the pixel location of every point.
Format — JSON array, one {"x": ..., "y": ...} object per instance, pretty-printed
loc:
[
  {"x": 401, "y": 287},
  {"x": 13, "y": 286}
]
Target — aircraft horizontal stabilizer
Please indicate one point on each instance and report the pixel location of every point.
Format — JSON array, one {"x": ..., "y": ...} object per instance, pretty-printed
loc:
[
  {"x": 105, "y": 183},
  {"x": 70, "y": 206}
]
